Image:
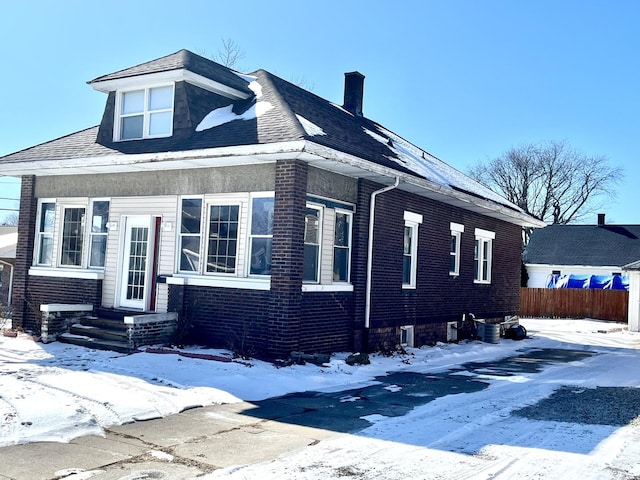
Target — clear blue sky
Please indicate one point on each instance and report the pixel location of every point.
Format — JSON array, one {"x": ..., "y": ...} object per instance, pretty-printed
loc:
[{"x": 463, "y": 79}]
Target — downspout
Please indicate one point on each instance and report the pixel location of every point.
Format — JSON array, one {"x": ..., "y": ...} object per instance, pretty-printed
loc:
[{"x": 372, "y": 214}]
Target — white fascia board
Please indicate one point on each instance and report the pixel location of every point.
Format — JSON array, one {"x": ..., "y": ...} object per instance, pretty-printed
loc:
[
  {"x": 140, "y": 81},
  {"x": 263, "y": 153}
]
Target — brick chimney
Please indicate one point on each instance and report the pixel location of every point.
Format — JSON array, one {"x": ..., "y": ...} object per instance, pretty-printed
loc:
[
  {"x": 600, "y": 219},
  {"x": 353, "y": 92}
]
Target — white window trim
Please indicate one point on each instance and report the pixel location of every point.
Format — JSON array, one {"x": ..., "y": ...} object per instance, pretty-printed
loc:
[
  {"x": 56, "y": 268},
  {"x": 484, "y": 237},
  {"x": 457, "y": 230},
  {"x": 39, "y": 235},
  {"x": 179, "y": 234},
  {"x": 320, "y": 209},
  {"x": 250, "y": 236},
  {"x": 349, "y": 247},
  {"x": 89, "y": 234},
  {"x": 410, "y": 334},
  {"x": 63, "y": 206},
  {"x": 221, "y": 202},
  {"x": 412, "y": 220},
  {"x": 117, "y": 120}
]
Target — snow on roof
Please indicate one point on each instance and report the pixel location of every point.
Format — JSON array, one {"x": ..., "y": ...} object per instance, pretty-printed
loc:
[
  {"x": 432, "y": 168},
  {"x": 223, "y": 115},
  {"x": 309, "y": 127}
]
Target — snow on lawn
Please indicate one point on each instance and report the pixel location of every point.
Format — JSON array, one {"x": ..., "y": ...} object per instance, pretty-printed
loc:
[
  {"x": 56, "y": 392},
  {"x": 475, "y": 435}
]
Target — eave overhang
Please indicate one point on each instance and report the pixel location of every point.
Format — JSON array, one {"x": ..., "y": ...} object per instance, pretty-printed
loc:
[
  {"x": 178, "y": 75},
  {"x": 315, "y": 155}
]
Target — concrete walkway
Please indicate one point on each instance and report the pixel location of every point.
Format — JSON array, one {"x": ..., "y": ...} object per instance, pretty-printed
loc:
[{"x": 176, "y": 447}]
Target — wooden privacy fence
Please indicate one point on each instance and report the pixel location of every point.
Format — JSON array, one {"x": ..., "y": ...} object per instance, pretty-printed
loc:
[{"x": 574, "y": 303}]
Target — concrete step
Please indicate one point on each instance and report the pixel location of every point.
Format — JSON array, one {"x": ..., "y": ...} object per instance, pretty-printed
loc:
[
  {"x": 103, "y": 323},
  {"x": 99, "y": 344},
  {"x": 118, "y": 335}
]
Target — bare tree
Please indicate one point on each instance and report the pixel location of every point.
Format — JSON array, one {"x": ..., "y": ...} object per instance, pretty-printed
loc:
[
  {"x": 11, "y": 219},
  {"x": 551, "y": 181},
  {"x": 229, "y": 54}
]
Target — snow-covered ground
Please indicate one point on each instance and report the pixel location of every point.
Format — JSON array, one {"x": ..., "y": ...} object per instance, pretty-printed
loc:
[{"x": 56, "y": 392}]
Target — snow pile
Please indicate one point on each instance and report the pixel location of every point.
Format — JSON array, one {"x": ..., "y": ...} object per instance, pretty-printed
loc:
[{"x": 223, "y": 115}]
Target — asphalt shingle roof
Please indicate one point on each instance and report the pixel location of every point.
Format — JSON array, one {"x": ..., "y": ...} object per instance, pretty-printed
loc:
[
  {"x": 593, "y": 245},
  {"x": 290, "y": 107},
  {"x": 183, "y": 59}
]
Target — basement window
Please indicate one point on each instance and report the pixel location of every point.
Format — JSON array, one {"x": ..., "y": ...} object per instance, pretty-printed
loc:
[{"x": 406, "y": 336}]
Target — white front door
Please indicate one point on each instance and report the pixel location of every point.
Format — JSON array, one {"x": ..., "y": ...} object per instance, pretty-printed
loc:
[{"x": 137, "y": 260}]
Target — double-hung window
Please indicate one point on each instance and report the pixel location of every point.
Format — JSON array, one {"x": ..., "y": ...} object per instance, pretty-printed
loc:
[
  {"x": 482, "y": 255},
  {"x": 145, "y": 113},
  {"x": 98, "y": 233},
  {"x": 261, "y": 235},
  {"x": 222, "y": 245},
  {"x": 410, "y": 249},
  {"x": 454, "y": 252},
  {"x": 312, "y": 236},
  {"x": 72, "y": 236},
  {"x": 342, "y": 246},
  {"x": 46, "y": 223},
  {"x": 191, "y": 214}
]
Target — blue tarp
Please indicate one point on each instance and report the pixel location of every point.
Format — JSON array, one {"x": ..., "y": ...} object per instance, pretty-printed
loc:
[{"x": 603, "y": 282}]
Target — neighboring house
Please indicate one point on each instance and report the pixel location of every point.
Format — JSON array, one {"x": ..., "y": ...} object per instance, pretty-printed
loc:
[
  {"x": 8, "y": 242},
  {"x": 268, "y": 218},
  {"x": 632, "y": 269},
  {"x": 599, "y": 250}
]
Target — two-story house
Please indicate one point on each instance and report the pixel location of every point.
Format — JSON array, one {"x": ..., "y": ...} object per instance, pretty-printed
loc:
[{"x": 267, "y": 218}]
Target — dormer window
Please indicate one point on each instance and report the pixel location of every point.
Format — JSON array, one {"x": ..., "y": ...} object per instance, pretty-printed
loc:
[{"x": 145, "y": 113}]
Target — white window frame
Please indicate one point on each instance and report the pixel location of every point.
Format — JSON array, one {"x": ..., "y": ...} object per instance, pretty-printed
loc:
[
  {"x": 408, "y": 332},
  {"x": 205, "y": 241},
  {"x": 411, "y": 221},
  {"x": 83, "y": 236},
  {"x": 349, "y": 215},
  {"x": 457, "y": 230},
  {"x": 251, "y": 236},
  {"x": 146, "y": 112},
  {"x": 318, "y": 244},
  {"x": 41, "y": 234},
  {"x": 482, "y": 260},
  {"x": 181, "y": 235},
  {"x": 91, "y": 234}
]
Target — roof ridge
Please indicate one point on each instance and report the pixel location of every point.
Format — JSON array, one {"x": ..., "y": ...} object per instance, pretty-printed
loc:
[
  {"x": 285, "y": 104},
  {"x": 137, "y": 65}
]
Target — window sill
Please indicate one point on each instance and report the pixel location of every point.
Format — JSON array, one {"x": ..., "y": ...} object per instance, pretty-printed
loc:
[
  {"x": 221, "y": 282},
  {"x": 482, "y": 282},
  {"x": 409, "y": 287},
  {"x": 67, "y": 273},
  {"x": 334, "y": 287}
]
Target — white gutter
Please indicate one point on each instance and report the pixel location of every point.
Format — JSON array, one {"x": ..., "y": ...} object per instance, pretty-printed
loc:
[
  {"x": 10, "y": 281},
  {"x": 372, "y": 214}
]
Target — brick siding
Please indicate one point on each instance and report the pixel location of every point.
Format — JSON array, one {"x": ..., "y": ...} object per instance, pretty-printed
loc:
[
  {"x": 439, "y": 297},
  {"x": 42, "y": 290},
  {"x": 24, "y": 250},
  {"x": 287, "y": 257},
  {"x": 326, "y": 322}
]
